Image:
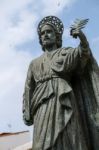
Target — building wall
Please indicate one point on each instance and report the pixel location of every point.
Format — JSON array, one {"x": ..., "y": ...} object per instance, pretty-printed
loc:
[
  {"x": 27, "y": 146},
  {"x": 11, "y": 141}
]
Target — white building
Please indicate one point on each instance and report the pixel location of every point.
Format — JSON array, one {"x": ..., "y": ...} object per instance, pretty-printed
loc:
[
  {"x": 27, "y": 146},
  {"x": 9, "y": 141}
]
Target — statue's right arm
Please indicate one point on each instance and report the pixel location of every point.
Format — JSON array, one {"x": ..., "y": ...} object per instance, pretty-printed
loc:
[
  {"x": 83, "y": 48},
  {"x": 28, "y": 92}
]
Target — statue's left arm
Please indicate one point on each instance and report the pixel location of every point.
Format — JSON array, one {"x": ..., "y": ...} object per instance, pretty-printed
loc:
[{"x": 28, "y": 92}]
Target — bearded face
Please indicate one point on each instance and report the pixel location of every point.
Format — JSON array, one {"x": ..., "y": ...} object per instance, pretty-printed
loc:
[{"x": 48, "y": 36}]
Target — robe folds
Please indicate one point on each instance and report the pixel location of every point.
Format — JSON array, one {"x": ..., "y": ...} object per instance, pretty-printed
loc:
[{"x": 61, "y": 100}]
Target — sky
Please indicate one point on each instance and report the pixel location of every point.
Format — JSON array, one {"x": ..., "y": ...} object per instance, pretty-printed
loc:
[{"x": 19, "y": 44}]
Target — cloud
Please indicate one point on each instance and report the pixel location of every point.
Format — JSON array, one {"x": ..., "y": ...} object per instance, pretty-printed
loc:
[
  {"x": 17, "y": 26},
  {"x": 15, "y": 33},
  {"x": 56, "y": 6}
]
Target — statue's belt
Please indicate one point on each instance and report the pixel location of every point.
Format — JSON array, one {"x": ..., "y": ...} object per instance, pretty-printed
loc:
[{"x": 49, "y": 77}]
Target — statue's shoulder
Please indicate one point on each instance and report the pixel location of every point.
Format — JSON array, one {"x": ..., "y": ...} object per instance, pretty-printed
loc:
[
  {"x": 37, "y": 60},
  {"x": 65, "y": 50}
]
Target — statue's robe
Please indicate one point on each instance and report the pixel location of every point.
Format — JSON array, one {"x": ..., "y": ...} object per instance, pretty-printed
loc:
[{"x": 61, "y": 99}]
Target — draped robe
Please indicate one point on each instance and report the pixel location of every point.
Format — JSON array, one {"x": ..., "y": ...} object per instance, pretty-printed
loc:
[{"x": 59, "y": 98}]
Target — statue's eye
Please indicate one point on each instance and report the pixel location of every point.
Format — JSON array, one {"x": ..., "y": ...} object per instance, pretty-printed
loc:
[{"x": 42, "y": 33}]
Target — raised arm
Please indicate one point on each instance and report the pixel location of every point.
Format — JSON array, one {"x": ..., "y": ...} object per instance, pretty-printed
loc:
[
  {"x": 83, "y": 46},
  {"x": 75, "y": 33}
]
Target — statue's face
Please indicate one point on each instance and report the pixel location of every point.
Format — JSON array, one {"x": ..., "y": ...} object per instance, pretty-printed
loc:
[{"x": 48, "y": 36}]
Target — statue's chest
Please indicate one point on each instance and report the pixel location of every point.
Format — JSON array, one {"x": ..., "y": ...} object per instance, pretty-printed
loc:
[
  {"x": 42, "y": 68},
  {"x": 48, "y": 65}
]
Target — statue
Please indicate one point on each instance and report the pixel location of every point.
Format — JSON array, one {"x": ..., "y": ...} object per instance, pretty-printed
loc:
[{"x": 61, "y": 97}]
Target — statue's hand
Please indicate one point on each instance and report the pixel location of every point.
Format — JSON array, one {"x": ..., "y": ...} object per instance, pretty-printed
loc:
[
  {"x": 75, "y": 33},
  {"x": 76, "y": 28},
  {"x": 78, "y": 33}
]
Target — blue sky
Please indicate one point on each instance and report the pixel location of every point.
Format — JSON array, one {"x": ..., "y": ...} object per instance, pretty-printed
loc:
[{"x": 19, "y": 44}]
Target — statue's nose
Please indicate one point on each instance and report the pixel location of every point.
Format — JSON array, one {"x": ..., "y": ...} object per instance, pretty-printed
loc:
[{"x": 46, "y": 33}]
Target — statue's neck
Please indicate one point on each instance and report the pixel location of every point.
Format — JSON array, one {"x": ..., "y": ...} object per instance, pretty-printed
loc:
[{"x": 50, "y": 48}]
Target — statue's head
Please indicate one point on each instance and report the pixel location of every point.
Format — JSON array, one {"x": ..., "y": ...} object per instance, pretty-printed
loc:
[{"x": 54, "y": 29}]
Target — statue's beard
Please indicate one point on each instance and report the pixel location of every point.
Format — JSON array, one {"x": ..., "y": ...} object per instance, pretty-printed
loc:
[{"x": 48, "y": 43}]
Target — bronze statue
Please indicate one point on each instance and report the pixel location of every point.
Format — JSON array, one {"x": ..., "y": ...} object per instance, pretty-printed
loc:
[{"x": 61, "y": 97}]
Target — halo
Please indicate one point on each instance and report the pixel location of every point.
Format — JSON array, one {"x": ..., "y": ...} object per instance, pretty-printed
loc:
[{"x": 52, "y": 20}]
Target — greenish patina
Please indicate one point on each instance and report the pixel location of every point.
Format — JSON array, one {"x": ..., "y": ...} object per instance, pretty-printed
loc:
[{"x": 61, "y": 97}]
